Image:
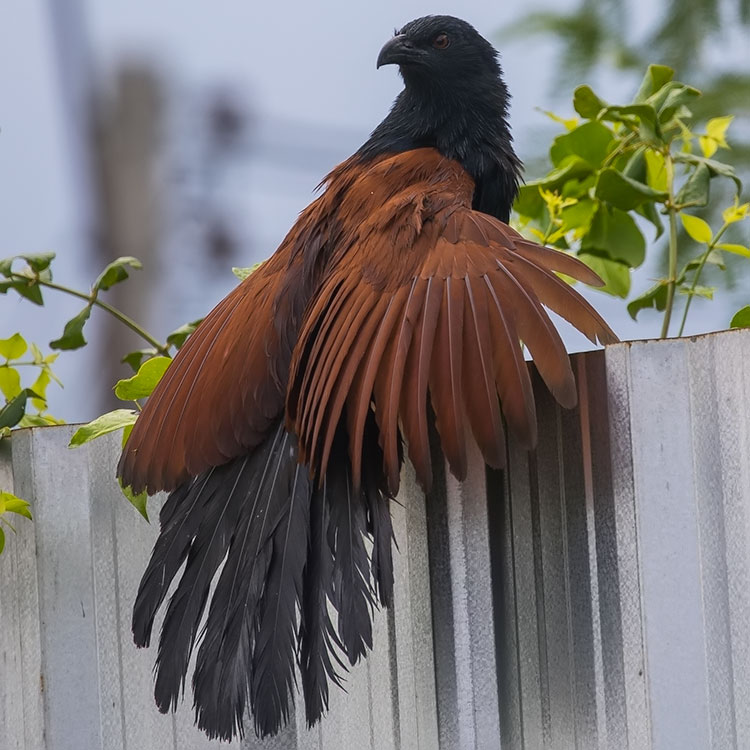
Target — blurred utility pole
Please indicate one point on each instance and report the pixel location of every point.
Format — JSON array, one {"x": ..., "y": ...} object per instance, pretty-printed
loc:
[
  {"x": 126, "y": 127},
  {"x": 112, "y": 139}
]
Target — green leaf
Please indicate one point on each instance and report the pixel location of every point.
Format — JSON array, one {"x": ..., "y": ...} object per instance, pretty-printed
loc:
[
  {"x": 735, "y": 249},
  {"x": 624, "y": 192},
  {"x": 708, "y": 145},
  {"x": 106, "y": 423},
  {"x": 30, "y": 290},
  {"x": 38, "y": 261},
  {"x": 529, "y": 202},
  {"x": 741, "y": 319},
  {"x": 135, "y": 359},
  {"x": 178, "y": 337},
  {"x": 635, "y": 166},
  {"x": 587, "y": 103},
  {"x": 714, "y": 258},
  {"x": 568, "y": 124},
  {"x": 618, "y": 112},
  {"x": 716, "y": 168},
  {"x": 655, "y": 78},
  {"x": 243, "y": 273},
  {"x": 616, "y": 276},
  {"x": 12, "y": 413},
  {"x": 139, "y": 501},
  {"x": 115, "y": 272},
  {"x": 697, "y": 228},
  {"x": 126, "y": 433},
  {"x": 736, "y": 213},
  {"x": 2, "y": 540},
  {"x": 698, "y": 291},
  {"x": 72, "y": 337},
  {"x": 40, "y": 386},
  {"x": 644, "y": 115},
  {"x": 717, "y": 127},
  {"x": 10, "y": 382},
  {"x": 656, "y": 170},
  {"x": 578, "y": 217},
  {"x": 39, "y": 420},
  {"x": 144, "y": 381},
  {"x": 676, "y": 96},
  {"x": 653, "y": 298},
  {"x": 650, "y": 212},
  {"x": 591, "y": 141},
  {"x": 572, "y": 167},
  {"x": 14, "y": 347},
  {"x": 11, "y": 504},
  {"x": 695, "y": 192},
  {"x": 614, "y": 234}
]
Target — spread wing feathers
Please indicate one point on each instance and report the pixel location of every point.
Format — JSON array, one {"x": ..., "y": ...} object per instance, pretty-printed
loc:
[
  {"x": 471, "y": 289},
  {"x": 283, "y": 553},
  {"x": 218, "y": 398}
]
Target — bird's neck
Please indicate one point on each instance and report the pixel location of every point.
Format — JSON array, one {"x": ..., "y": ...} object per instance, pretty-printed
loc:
[{"x": 469, "y": 126}]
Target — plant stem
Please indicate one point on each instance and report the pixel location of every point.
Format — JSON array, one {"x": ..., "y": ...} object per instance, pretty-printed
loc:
[
  {"x": 623, "y": 146},
  {"x": 672, "y": 279},
  {"x": 113, "y": 311},
  {"x": 698, "y": 271},
  {"x": 548, "y": 232}
]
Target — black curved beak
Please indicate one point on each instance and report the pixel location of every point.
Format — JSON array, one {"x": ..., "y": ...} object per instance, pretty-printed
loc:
[{"x": 396, "y": 51}]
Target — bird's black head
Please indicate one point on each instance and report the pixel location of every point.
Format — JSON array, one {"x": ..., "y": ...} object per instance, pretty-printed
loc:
[
  {"x": 441, "y": 51},
  {"x": 454, "y": 100}
]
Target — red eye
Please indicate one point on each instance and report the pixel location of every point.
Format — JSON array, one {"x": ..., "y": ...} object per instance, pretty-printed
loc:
[{"x": 441, "y": 41}]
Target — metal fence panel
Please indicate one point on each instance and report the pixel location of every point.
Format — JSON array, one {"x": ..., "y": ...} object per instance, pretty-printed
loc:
[
  {"x": 595, "y": 594},
  {"x": 71, "y": 677}
]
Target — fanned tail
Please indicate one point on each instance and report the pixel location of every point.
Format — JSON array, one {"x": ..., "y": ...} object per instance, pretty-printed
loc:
[{"x": 284, "y": 554}]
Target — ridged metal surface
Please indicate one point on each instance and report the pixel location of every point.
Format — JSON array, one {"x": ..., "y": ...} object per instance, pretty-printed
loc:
[
  {"x": 70, "y": 676},
  {"x": 596, "y": 594},
  {"x": 622, "y": 550}
]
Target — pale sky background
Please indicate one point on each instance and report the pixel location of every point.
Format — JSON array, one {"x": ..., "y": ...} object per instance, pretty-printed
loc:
[{"x": 306, "y": 71}]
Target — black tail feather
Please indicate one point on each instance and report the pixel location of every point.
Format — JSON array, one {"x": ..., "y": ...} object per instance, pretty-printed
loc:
[
  {"x": 179, "y": 519},
  {"x": 273, "y": 676},
  {"x": 221, "y": 678},
  {"x": 289, "y": 550},
  {"x": 352, "y": 588},
  {"x": 317, "y": 634},
  {"x": 379, "y": 525},
  {"x": 188, "y": 602}
]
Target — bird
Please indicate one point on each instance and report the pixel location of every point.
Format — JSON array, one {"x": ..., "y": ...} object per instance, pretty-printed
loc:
[{"x": 400, "y": 302}]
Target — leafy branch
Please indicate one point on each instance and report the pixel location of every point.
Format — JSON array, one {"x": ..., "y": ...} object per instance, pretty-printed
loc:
[
  {"x": 37, "y": 274},
  {"x": 149, "y": 364},
  {"x": 616, "y": 166}
]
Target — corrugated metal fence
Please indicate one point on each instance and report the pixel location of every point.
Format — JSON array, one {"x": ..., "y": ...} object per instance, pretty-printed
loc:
[{"x": 594, "y": 595}]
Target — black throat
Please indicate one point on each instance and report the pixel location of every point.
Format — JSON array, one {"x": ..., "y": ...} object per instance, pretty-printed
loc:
[{"x": 469, "y": 125}]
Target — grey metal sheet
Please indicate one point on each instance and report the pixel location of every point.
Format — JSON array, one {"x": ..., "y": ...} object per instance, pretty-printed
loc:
[
  {"x": 595, "y": 594},
  {"x": 66, "y": 596},
  {"x": 11, "y": 658}
]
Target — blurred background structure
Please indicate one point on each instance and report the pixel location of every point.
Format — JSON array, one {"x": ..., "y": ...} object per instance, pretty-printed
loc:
[{"x": 191, "y": 135}]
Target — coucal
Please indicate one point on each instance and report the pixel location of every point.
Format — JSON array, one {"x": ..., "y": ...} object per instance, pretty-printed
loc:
[{"x": 399, "y": 296}]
